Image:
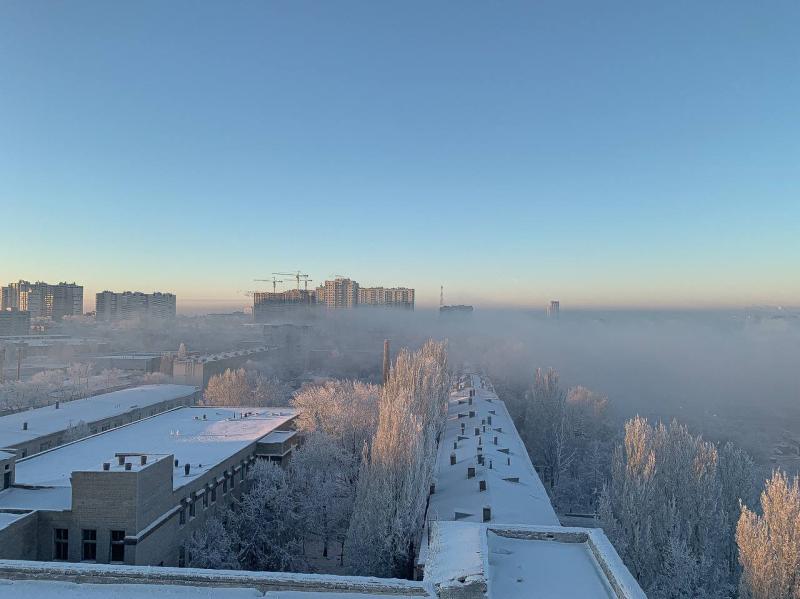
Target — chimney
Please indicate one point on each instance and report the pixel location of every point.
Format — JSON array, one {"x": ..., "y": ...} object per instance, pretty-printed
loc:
[
  {"x": 106, "y": 466},
  {"x": 57, "y": 404},
  {"x": 143, "y": 459},
  {"x": 452, "y": 459},
  {"x": 487, "y": 513},
  {"x": 481, "y": 485},
  {"x": 455, "y": 444},
  {"x": 121, "y": 460},
  {"x": 489, "y": 420},
  {"x": 490, "y": 464},
  {"x": 472, "y": 413},
  {"x": 477, "y": 431},
  {"x": 433, "y": 488},
  {"x": 462, "y": 427},
  {"x": 176, "y": 463},
  {"x": 495, "y": 439},
  {"x": 186, "y": 469},
  {"x": 470, "y": 471},
  {"x": 386, "y": 361},
  {"x": 128, "y": 465},
  {"x": 24, "y": 426},
  {"x": 480, "y": 459}
]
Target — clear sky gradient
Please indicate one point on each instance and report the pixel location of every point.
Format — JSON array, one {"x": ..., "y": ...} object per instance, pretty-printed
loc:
[{"x": 602, "y": 153}]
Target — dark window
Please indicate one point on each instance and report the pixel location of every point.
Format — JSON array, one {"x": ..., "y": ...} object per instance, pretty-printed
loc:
[
  {"x": 89, "y": 545},
  {"x": 181, "y": 556},
  {"x": 205, "y": 500},
  {"x": 6, "y": 480},
  {"x": 224, "y": 486},
  {"x": 117, "y": 546},
  {"x": 213, "y": 494},
  {"x": 61, "y": 548},
  {"x": 233, "y": 481},
  {"x": 192, "y": 508},
  {"x": 182, "y": 516}
]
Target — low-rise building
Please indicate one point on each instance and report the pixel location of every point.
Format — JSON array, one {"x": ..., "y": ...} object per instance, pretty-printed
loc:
[
  {"x": 198, "y": 370},
  {"x": 134, "y": 494},
  {"x": 33, "y": 431}
]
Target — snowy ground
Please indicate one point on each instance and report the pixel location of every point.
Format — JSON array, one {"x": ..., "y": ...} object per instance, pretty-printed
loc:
[{"x": 523, "y": 568}]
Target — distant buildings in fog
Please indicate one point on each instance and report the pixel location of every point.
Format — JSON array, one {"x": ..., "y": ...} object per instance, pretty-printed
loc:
[
  {"x": 14, "y": 322},
  {"x": 553, "y": 309},
  {"x": 337, "y": 293},
  {"x": 111, "y": 306},
  {"x": 43, "y": 300}
]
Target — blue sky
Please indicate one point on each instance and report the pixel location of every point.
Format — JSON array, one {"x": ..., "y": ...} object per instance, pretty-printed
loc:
[{"x": 607, "y": 154}]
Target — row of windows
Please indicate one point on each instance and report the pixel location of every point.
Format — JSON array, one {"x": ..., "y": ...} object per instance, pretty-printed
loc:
[
  {"x": 116, "y": 548},
  {"x": 211, "y": 496}
]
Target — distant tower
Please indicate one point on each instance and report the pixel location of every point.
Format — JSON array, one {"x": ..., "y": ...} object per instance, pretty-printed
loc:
[
  {"x": 386, "y": 361},
  {"x": 553, "y": 309},
  {"x": 441, "y": 296}
]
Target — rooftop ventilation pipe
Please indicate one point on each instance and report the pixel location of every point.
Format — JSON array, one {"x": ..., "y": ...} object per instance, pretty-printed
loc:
[
  {"x": 106, "y": 466},
  {"x": 186, "y": 468},
  {"x": 128, "y": 465},
  {"x": 143, "y": 460},
  {"x": 24, "y": 426}
]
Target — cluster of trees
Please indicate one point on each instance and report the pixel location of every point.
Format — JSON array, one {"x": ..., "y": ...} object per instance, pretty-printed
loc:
[
  {"x": 397, "y": 468},
  {"x": 48, "y": 386},
  {"x": 569, "y": 436},
  {"x": 358, "y": 483},
  {"x": 671, "y": 508},
  {"x": 245, "y": 388}
]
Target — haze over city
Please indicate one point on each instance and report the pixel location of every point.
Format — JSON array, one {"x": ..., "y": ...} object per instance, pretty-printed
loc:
[{"x": 450, "y": 300}]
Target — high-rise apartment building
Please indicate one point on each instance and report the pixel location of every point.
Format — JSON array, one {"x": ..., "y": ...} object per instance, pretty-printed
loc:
[
  {"x": 269, "y": 304},
  {"x": 43, "y": 300},
  {"x": 134, "y": 304},
  {"x": 400, "y": 297},
  {"x": 339, "y": 293},
  {"x": 553, "y": 309}
]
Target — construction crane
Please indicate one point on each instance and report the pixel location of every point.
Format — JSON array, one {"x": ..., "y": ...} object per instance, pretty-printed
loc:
[
  {"x": 297, "y": 275},
  {"x": 274, "y": 282}
]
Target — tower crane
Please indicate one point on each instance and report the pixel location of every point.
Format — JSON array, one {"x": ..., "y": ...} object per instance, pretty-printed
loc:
[
  {"x": 274, "y": 282},
  {"x": 297, "y": 275}
]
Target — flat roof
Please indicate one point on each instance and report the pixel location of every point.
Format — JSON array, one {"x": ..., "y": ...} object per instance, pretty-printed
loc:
[
  {"x": 514, "y": 492},
  {"x": 49, "y": 420},
  {"x": 521, "y": 568},
  {"x": 184, "y": 432}
]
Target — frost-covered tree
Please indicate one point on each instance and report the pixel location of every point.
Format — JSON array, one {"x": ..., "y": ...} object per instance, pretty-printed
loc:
[
  {"x": 397, "y": 468},
  {"x": 212, "y": 547},
  {"x": 323, "y": 477},
  {"x": 664, "y": 510},
  {"x": 265, "y": 527},
  {"x": 346, "y": 411},
  {"x": 228, "y": 389},
  {"x": 769, "y": 543}
]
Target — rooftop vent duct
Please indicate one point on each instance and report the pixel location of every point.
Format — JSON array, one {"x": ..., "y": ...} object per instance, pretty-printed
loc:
[
  {"x": 143, "y": 460},
  {"x": 487, "y": 513},
  {"x": 470, "y": 471},
  {"x": 177, "y": 463},
  {"x": 128, "y": 465},
  {"x": 24, "y": 426},
  {"x": 186, "y": 469},
  {"x": 57, "y": 405},
  {"x": 120, "y": 459},
  {"x": 477, "y": 431},
  {"x": 481, "y": 485},
  {"x": 106, "y": 466},
  {"x": 452, "y": 459}
]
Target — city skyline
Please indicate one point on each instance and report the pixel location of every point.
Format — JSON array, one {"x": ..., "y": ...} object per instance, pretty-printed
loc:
[{"x": 644, "y": 157}]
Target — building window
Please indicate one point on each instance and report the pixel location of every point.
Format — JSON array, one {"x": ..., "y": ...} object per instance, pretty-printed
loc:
[
  {"x": 205, "y": 500},
  {"x": 6, "y": 479},
  {"x": 182, "y": 515},
  {"x": 61, "y": 548},
  {"x": 233, "y": 481},
  {"x": 192, "y": 509},
  {"x": 225, "y": 486},
  {"x": 89, "y": 545},
  {"x": 214, "y": 494},
  {"x": 181, "y": 556},
  {"x": 117, "y": 546}
]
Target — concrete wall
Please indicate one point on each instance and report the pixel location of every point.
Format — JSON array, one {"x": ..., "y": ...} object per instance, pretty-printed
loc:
[{"x": 18, "y": 540}]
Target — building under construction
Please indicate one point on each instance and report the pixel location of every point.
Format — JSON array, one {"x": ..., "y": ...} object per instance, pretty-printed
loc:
[{"x": 269, "y": 305}]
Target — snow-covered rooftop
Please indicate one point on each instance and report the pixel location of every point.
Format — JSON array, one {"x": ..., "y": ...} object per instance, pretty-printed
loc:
[
  {"x": 516, "y": 562},
  {"x": 225, "y": 355},
  {"x": 278, "y": 436},
  {"x": 199, "y": 436},
  {"x": 7, "y": 518},
  {"x": 49, "y": 419},
  {"x": 514, "y": 493}
]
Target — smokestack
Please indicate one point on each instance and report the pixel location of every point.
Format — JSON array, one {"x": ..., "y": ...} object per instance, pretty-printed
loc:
[{"x": 386, "y": 361}]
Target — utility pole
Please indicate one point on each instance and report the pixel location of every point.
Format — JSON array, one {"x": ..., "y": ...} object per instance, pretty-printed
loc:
[{"x": 386, "y": 361}]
